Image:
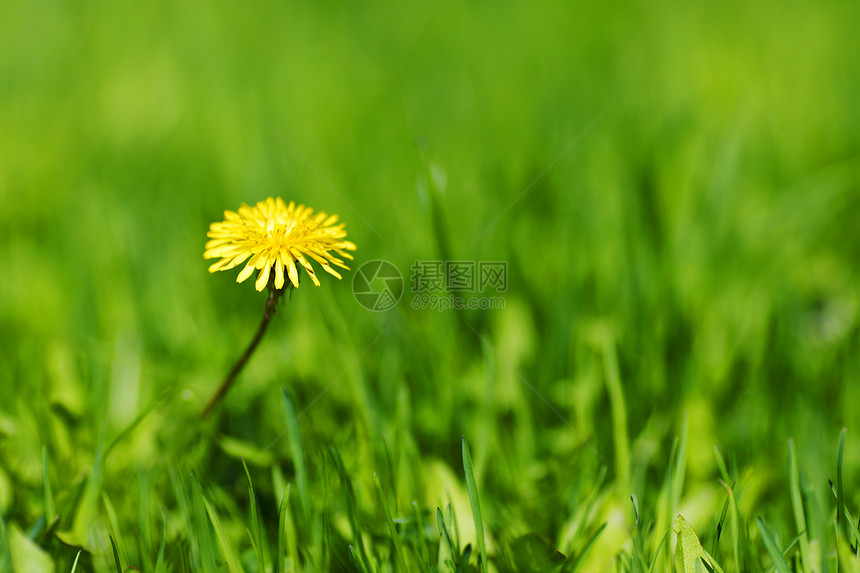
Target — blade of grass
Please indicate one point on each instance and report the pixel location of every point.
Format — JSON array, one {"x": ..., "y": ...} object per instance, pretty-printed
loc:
[
  {"x": 721, "y": 464},
  {"x": 634, "y": 500},
  {"x": 47, "y": 494},
  {"x": 797, "y": 506},
  {"x": 356, "y": 558},
  {"x": 395, "y": 535},
  {"x": 840, "y": 491},
  {"x": 198, "y": 523},
  {"x": 86, "y": 512},
  {"x": 297, "y": 453},
  {"x": 663, "y": 521},
  {"x": 583, "y": 520},
  {"x": 227, "y": 549},
  {"x": 114, "y": 523},
  {"x": 188, "y": 508},
  {"x": 423, "y": 551},
  {"x": 137, "y": 420},
  {"x": 657, "y": 552},
  {"x": 256, "y": 529},
  {"x": 453, "y": 527},
  {"x": 844, "y": 522},
  {"x": 771, "y": 546},
  {"x": 571, "y": 566},
  {"x": 389, "y": 463},
  {"x": 160, "y": 565},
  {"x": 349, "y": 498},
  {"x": 144, "y": 542},
  {"x": 785, "y": 553},
  {"x": 854, "y": 529},
  {"x": 680, "y": 469},
  {"x": 718, "y": 529},
  {"x": 444, "y": 537},
  {"x": 282, "y": 531},
  {"x": 75, "y": 564},
  {"x": 5, "y": 550},
  {"x": 322, "y": 523},
  {"x": 618, "y": 408},
  {"x": 115, "y": 554},
  {"x": 476, "y": 504},
  {"x": 736, "y": 551}
]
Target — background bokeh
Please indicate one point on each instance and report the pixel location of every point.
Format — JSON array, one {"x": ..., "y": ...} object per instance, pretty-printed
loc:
[{"x": 675, "y": 188}]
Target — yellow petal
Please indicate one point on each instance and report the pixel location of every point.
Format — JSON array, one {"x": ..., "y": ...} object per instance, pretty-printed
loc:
[
  {"x": 257, "y": 260},
  {"x": 318, "y": 219},
  {"x": 279, "y": 274},
  {"x": 237, "y": 260},
  {"x": 246, "y": 272},
  {"x": 301, "y": 258},
  {"x": 263, "y": 278},
  {"x": 330, "y": 271},
  {"x": 294, "y": 273},
  {"x": 216, "y": 243}
]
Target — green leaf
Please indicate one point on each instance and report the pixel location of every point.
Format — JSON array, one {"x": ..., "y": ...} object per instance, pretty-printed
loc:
[
  {"x": 689, "y": 549},
  {"x": 245, "y": 451},
  {"x": 26, "y": 555}
]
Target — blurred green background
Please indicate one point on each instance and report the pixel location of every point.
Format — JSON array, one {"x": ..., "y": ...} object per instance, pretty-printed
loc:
[{"x": 675, "y": 188}]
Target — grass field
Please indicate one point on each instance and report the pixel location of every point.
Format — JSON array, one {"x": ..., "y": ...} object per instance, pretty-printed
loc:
[{"x": 673, "y": 189}]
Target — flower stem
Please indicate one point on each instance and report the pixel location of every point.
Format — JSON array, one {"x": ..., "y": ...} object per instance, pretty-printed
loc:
[{"x": 271, "y": 307}]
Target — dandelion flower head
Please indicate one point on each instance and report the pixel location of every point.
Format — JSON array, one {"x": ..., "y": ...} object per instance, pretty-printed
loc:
[{"x": 273, "y": 236}]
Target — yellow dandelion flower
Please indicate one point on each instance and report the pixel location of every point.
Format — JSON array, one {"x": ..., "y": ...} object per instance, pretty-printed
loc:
[{"x": 275, "y": 236}]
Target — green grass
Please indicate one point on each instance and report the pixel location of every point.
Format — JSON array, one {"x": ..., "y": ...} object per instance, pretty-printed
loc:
[{"x": 674, "y": 189}]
